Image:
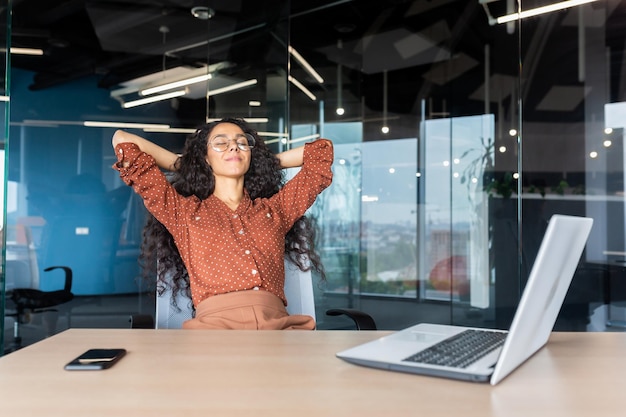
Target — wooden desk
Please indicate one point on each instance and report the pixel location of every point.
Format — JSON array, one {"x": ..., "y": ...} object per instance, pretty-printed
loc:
[{"x": 295, "y": 373}]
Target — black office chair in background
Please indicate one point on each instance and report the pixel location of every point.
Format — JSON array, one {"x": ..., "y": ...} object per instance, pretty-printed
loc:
[{"x": 26, "y": 301}]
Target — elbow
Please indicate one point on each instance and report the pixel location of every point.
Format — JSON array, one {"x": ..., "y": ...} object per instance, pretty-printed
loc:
[{"x": 118, "y": 137}]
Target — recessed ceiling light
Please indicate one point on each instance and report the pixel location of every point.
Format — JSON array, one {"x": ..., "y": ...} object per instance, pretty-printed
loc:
[{"x": 202, "y": 12}]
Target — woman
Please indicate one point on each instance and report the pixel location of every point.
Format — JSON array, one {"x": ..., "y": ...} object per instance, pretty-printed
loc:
[{"x": 228, "y": 215}]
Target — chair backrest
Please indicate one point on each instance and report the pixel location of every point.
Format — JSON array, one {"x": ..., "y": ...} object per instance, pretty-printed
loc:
[
  {"x": 298, "y": 290},
  {"x": 22, "y": 269}
]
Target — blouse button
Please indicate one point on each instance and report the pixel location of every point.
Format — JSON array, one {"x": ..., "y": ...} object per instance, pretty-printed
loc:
[
  {"x": 254, "y": 272},
  {"x": 247, "y": 252},
  {"x": 235, "y": 216},
  {"x": 241, "y": 232},
  {"x": 268, "y": 215}
]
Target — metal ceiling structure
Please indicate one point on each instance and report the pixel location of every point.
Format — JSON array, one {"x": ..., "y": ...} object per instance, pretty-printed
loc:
[{"x": 429, "y": 48}]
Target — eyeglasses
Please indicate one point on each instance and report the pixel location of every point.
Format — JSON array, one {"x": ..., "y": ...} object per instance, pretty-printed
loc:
[{"x": 244, "y": 141}]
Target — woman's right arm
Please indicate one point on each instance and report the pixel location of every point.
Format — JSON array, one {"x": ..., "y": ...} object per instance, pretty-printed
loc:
[
  {"x": 139, "y": 169},
  {"x": 164, "y": 158}
]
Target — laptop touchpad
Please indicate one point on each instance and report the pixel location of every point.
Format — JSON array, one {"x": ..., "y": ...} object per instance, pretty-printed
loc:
[{"x": 425, "y": 337}]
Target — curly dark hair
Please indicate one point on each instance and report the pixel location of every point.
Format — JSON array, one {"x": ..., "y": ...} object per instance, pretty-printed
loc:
[{"x": 194, "y": 176}]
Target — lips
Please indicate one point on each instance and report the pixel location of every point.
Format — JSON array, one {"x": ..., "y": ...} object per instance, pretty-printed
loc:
[{"x": 234, "y": 158}]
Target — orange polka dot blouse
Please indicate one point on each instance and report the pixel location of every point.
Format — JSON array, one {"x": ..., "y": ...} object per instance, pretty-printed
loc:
[{"x": 225, "y": 250}]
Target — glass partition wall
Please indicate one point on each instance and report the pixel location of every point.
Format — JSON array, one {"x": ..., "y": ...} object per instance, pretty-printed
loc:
[
  {"x": 572, "y": 125},
  {"x": 66, "y": 205},
  {"x": 416, "y": 98},
  {"x": 456, "y": 137},
  {"x": 5, "y": 31}
]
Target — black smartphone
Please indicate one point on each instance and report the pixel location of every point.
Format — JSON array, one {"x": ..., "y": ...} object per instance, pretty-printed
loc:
[{"x": 96, "y": 359}]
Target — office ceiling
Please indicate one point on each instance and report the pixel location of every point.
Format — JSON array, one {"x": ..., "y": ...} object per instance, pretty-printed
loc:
[{"x": 429, "y": 49}]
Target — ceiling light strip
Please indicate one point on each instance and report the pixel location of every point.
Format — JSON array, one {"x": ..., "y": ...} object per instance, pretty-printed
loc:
[
  {"x": 541, "y": 10},
  {"x": 25, "y": 51},
  {"x": 232, "y": 87},
  {"x": 175, "y": 84},
  {"x": 306, "y": 65},
  {"x": 31, "y": 122},
  {"x": 94, "y": 123},
  {"x": 245, "y": 119},
  {"x": 302, "y": 88},
  {"x": 283, "y": 135},
  {"x": 304, "y": 138},
  {"x": 124, "y": 125},
  {"x": 270, "y": 141},
  {"x": 132, "y": 86},
  {"x": 170, "y": 130},
  {"x": 152, "y": 99},
  {"x": 165, "y": 128},
  {"x": 49, "y": 125}
]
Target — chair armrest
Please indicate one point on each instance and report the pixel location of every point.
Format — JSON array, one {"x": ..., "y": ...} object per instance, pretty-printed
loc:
[
  {"x": 68, "y": 276},
  {"x": 141, "y": 321},
  {"x": 362, "y": 320}
]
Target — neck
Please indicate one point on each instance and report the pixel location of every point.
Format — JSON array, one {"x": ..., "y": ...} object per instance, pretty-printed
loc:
[{"x": 229, "y": 191}]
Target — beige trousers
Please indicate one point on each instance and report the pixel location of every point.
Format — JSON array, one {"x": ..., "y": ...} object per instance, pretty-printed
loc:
[{"x": 247, "y": 310}]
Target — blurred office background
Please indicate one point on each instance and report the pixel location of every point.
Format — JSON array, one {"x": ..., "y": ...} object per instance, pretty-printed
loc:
[{"x": 457, "y": 137}]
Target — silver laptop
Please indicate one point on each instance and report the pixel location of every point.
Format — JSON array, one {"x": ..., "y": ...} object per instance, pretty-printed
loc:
[{"x": 417, "y": 349}]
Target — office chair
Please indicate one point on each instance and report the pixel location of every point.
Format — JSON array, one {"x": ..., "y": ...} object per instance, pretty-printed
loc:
[
  {"x": 298, "y": 290},
  {"x": 24, "y": 295},
  {"x": 31, "y": 300}
]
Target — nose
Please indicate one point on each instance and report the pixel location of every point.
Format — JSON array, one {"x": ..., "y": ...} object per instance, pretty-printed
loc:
[{"x": 232, "y": 145}]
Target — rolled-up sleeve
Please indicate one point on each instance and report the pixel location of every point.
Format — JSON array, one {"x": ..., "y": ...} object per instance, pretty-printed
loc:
[
  {"x": 140, "y": 171},
  {"x": 132, "y": 162},
  {"x": 318, "y": 160}
]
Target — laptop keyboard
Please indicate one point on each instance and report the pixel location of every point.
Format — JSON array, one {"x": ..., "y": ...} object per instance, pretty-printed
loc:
[{"x": 460, "y": 350}]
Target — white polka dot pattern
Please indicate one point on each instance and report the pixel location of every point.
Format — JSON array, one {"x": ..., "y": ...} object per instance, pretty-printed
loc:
[{"x": 226, "y": 250}]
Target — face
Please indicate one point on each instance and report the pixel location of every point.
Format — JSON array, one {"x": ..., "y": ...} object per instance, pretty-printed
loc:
[{"x": 232, "y": 162}]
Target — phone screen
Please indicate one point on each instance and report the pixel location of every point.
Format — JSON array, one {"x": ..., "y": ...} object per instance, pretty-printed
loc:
[{"x": 96, "y": 359}]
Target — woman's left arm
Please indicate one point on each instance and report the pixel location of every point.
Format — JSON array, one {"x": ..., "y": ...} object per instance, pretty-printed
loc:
[
  {"x": 293, "y": 158},
  {"x": 299, "y": 192}
]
